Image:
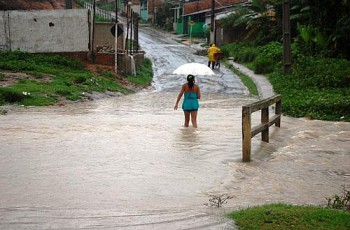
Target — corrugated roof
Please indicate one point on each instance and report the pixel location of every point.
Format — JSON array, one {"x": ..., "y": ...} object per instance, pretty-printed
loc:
[{"x": 203, "y": 5}]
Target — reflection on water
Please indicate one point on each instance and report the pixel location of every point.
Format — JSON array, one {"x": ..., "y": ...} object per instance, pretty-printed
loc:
[{"x": 128, "y": 163}]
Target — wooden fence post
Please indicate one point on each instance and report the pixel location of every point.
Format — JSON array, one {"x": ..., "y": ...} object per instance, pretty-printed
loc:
[
  {"x": 265, "y": 120},
  {"x": 278, "y": 111},
  {"x": 246, "y": 133}
]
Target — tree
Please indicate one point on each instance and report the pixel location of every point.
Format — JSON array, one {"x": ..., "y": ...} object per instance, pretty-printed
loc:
[
  {"x": 163, "y": 18},
  {"x": 258, "y": 18},
  {"x": 325, "y": 23}
]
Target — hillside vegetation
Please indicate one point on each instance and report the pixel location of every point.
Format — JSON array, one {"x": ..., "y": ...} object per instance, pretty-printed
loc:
[
  {"x": 318, "y": 86},
  {"x": 39, "y": 79}
]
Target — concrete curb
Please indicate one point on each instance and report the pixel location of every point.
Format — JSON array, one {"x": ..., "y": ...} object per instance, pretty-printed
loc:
[{"x": 265, "y": 88}]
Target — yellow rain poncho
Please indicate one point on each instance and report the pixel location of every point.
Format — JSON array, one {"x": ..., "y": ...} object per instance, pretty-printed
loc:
[{"x": 211, "y": 51}]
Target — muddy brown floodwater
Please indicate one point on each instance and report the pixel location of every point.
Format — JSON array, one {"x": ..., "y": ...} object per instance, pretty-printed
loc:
[{"x": 127, "y": 163}]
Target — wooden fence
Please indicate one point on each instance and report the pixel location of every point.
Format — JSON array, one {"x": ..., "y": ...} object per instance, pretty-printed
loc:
[{"x": 248, "y": 132}]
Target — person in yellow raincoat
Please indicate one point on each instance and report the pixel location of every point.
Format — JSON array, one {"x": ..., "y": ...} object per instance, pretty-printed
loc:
[{"x": 211, "y": 51}]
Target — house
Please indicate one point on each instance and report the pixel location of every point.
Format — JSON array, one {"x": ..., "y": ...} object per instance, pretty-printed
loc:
[
  {"x": 192, "y": 16},
  {"x": 148, "y": 9}
]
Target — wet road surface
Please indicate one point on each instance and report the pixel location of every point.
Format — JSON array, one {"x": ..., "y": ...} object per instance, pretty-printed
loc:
[{"x": 127, "y": 162}]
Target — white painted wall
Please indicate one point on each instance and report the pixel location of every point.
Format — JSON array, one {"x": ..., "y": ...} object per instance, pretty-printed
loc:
[
  {"x": 3, "y": 31},
  {"x": 46, "y": 30}
]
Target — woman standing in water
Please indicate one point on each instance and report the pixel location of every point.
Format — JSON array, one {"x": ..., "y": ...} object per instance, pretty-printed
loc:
[{"x": 190, "y": 103}]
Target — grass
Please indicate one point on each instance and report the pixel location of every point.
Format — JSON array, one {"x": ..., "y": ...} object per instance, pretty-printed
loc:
[
  {"x": 144, "y": 74},
  {"x": 53, "y": 77},
  {"x": 284, "y": 216}
]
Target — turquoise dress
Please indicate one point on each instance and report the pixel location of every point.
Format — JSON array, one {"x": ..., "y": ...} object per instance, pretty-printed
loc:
[{"x": 190, "y": 102}]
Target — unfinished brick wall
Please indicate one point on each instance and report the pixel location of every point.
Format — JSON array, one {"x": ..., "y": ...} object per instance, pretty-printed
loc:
[{"x": 104, "y": 37}]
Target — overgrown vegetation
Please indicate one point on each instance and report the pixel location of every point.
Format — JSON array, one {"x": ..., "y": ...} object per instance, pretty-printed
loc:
[
  {"x": 51, "y": 78},
  {"x": 284, "y": 216},
  {"x": 317, "y": 88},
  {"x": 163, "y": 18},
  {"x": 320, "y": 27},
  {"x": 340, "y": 201}
]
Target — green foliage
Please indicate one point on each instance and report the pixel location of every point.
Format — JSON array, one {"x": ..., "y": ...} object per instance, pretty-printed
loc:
[
  {"x": 317, "y": 88},
  {"x": 68, "y": 79},
  {"x": 325, "y": 27},
  {"x": 258, "y": 20},
  {"x": 144, "y": 74},
  {"x": 22, "y": 61},
  {"x": 262, "y": 65},
  {"x": 318, "y": 27},
  {"x": 269, "y": 58},
  {"x": 107, "y": 6},
  {"x": 302, "y": 100},
  {"x": 99, "y": 18},
  {"x": 241, "y": 52},
  {"x": 340, "y": 201},
  {"x": 163, "y": 18},
  {"x": 264, "y": 59},
  {"x": 321, "y": 72},
  {"x": 311, "y": 41},
  {"x": 284, "y": 216}
]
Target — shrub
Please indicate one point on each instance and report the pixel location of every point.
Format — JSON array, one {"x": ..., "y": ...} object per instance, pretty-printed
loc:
[
  {"x": 263, "y": 65},
  {"x": 241, "y": 52},
  {"x": 322, "y": 72},
  {"x": 269, "y": 58}
]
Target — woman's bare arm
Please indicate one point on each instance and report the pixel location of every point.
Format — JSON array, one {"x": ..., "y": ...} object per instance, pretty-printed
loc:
[{"x": 179, "y": 97}]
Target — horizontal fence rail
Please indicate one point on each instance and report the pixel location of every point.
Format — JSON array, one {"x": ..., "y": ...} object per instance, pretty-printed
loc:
[{"x": 248, "y": 132}]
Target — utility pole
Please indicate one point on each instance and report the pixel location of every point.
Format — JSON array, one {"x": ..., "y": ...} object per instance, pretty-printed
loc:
[
  {"x": 287, "y": 56},
  {"x": 131, "y": 30},
  {"x": 127, "y": 29},
  {"x": 212, "y": 23},
  {"x": 116, "y": 38}
]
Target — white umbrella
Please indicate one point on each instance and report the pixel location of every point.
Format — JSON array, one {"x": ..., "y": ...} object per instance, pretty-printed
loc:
[{"x": 193, "y": 68}]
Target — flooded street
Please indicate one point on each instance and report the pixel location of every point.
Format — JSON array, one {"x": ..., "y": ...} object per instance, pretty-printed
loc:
[{"x": 127, "y": 162}]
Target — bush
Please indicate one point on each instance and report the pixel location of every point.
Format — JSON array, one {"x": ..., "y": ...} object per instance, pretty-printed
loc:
[
  {"x": 317, "y": 88},
  {"x": 241, "y": 52},
  {"x": 322, "y": 72},
  {"x": 264, "y": 59},
  {"x": 263, "y": 65},
  {"x": 269, "y": 58},
  {"x": 300, "y": 100}
]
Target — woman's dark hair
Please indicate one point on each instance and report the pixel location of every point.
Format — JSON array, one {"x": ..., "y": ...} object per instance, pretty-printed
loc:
[{"x": 190, "y": 80}]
